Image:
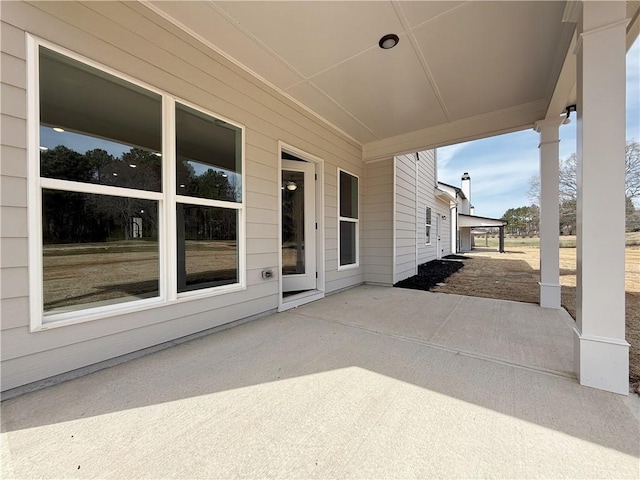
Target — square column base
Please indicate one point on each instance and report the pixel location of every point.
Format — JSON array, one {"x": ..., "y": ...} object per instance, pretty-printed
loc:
[
  {"x": 550, "y": 295},
  {"x": 601, "y": 363}
]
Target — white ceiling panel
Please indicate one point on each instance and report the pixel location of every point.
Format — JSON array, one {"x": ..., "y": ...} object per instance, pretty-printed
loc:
[
  {"x": 417, "y": 13},
  {"x": 311, "y": 97},
  {"x": 386, "y": 89},
  {"x": 463, "y": 58},
  {"x": 312, "y": 36},
  {"x": 486, "y": 56},
  {"x": 203, "y": 19}
]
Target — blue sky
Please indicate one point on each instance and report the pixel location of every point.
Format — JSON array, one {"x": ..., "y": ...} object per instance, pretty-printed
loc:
[{"x": 500, "y": 167}]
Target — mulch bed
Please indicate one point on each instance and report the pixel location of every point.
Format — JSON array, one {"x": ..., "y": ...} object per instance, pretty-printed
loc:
[{"x": 431, "y": 274}]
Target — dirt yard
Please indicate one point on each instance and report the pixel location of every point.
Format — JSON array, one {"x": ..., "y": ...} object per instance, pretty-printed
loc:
[{"x": 514, "y": 275}]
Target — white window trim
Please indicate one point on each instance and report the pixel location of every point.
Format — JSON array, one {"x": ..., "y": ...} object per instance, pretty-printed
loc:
[
  {"x": 167, "y": 199},
  {"x": 349, "y": 266},
  {"x": 427, "y": 238}
]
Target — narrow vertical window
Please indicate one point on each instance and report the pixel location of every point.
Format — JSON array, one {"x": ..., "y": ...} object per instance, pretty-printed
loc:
[
  {"x": 428, "y": 226},
  {"x": 348, "y": 219},
  {"x": 209, "y": 192}
]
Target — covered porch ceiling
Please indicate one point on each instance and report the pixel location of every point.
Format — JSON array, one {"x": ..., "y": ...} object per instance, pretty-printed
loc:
[{"x": 461, "y": 70}]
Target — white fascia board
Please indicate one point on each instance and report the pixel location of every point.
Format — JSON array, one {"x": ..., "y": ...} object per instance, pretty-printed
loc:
[
  {"x": 445, "y": 196},
  {"x": 473, "y": 221}
]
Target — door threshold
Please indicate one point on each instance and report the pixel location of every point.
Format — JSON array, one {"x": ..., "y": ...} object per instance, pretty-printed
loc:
[{"x": 298, "y": 299}]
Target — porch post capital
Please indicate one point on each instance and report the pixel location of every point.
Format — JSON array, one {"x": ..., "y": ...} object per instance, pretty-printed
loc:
[{"x": 548, "y": 123}]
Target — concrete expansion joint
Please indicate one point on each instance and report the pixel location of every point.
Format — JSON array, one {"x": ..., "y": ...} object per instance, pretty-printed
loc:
[
  {"x": 449, "y": 317},
  {"x": 455, "y": 351}
]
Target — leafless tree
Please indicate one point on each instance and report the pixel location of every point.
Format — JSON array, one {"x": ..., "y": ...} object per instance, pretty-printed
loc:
[{"x": 568, "y": 186}]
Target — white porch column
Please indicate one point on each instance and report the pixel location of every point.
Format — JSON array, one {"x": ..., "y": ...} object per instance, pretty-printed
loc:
[
  {"x": 601, "y": 354},
  {"x": 549, "y": 212}
]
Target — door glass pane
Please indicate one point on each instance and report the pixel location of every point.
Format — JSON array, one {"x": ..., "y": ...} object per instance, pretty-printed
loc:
[
  {"x": 348, "y": 195},
  {"x": 292, "y": 223},
  {"x": 96, "y": 128},
  {"x": 347, "y": 243},
  {"x": 207, "y": 246},
  {"x": 97, "y": 250},
  {"x": 209, "y": 156}
]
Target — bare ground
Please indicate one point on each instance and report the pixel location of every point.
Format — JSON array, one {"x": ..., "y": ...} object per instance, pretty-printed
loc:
[{"x": 514, "y": 275}]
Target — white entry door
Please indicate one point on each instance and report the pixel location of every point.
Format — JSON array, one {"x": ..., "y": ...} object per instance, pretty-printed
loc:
[{"x": 298, "y": 226}]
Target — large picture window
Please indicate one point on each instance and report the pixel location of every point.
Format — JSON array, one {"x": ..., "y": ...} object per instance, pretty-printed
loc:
[
  {"x": 103, "y": 206},
  {"x": 348, "y": 220}
]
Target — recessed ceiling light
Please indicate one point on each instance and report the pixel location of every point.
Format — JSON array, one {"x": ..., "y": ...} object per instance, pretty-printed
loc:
[
  {"x": 115, "y": 174},
  {"x": 389, "y": 41},
  {"x": 58, "y": 129},
  {"x": 182, "y": 185}
]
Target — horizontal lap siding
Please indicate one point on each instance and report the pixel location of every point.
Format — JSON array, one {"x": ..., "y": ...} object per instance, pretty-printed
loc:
[
  {"x": 14, "y": 275},
  {"x": 378, "y": 222},
  {"x": 405, "y": 222},
  {"x": 133, "y": 40},
  {"x": 426, "y": 198}
]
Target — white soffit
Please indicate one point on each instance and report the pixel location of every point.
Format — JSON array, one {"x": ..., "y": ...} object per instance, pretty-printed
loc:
[{"x": 455, "y": 60}]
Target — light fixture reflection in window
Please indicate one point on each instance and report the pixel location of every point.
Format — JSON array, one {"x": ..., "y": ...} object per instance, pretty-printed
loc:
[
  {"x": 58, "y": 129},
  {"x": 291, "y": 186}
]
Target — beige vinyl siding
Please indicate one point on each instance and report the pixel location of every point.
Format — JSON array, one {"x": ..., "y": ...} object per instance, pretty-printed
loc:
[
  {"x": 14, "y": 275},
  {"x": 377, "y": 221},
  {"x": 426, "y": 198},
  {"x": 133, "y": 40},
  {"x": 405, "y": 217}
]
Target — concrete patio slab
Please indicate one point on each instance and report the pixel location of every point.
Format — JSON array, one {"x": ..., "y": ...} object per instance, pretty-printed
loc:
[
  {"x": 295, "y": 395},
  {"x": 518, "y": 333}
]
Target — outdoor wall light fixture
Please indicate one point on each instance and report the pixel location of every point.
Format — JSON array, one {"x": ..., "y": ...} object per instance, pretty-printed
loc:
[
  {"x": 569, "y": 109},
  {"x": 291, "y": 186},
  {"x": 389, "y": 41}
]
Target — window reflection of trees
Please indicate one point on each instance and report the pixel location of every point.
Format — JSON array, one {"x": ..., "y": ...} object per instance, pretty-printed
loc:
[
  {"x": 212, "y": 184},
  {"x": 137, "y": 169}
]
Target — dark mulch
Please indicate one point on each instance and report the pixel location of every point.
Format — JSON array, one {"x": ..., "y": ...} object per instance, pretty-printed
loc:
[
  {"x": 430, "y": 274},
  {"x": 457, "y": 257}
]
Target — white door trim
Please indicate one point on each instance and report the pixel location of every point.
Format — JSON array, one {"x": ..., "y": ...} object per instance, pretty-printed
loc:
[{"x": 305, "y": 297}]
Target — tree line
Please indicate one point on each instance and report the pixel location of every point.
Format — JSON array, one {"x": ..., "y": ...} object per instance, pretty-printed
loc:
[{"x": 524, "y": 220}]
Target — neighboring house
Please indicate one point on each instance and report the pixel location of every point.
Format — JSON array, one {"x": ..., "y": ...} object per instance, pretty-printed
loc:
[
  {"x": 465, "y": 221},
  {"x": 412, "y": 229},
  {"x": 171, "y": 167}
]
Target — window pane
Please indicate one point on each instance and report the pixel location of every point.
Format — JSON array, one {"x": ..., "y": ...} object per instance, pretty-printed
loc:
[
  {"x": 293, "y": 254},
  {"x": 96, "y": 128},
  {"x": 97, "y": 250},
  {"x": 348, "y": 195},
  {"x": 207, "y": 247},
  {"x": 347, "y": 243},
  {"x": 209, "y": 156}
]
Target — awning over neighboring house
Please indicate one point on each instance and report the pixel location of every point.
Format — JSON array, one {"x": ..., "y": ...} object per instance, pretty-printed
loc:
[{"x": 474, "y": 221}]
